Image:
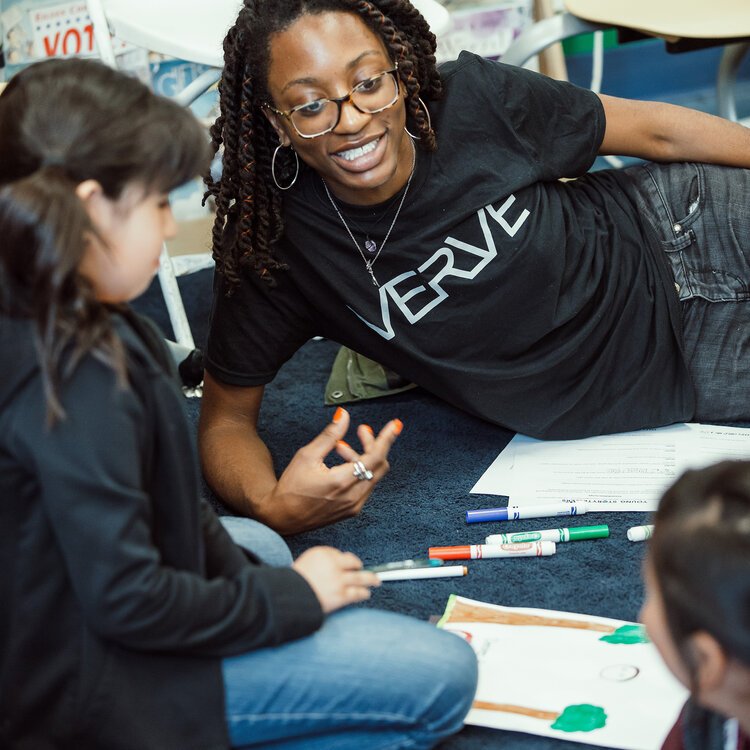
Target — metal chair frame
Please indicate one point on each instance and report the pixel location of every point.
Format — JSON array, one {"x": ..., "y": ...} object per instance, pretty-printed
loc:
[{"x": 565, "y": 25}]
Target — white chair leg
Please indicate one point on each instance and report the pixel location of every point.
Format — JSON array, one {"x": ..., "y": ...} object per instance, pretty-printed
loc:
[
  {"x": 727, "y": 77},
  {"x": 541, "y": 34},
  {"x": 173, "y": 300},
  {"x": 197, "y": 87},
  {"x": 167, "y": 276},
  {"x": 101, "y": 33}
]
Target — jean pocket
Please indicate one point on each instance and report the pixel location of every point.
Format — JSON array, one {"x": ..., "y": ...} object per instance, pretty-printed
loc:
[
  {"x": 702, "y": 270},
  {"x": 677, "y": 194},
  {"x": 707, "y": 253},
  {"x": 689, "y": 205}
]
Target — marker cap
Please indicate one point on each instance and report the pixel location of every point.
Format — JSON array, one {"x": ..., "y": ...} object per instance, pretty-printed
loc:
[
  {"x": 640, "y": 533},
  {"x": 486, "y": 514},
  {"x": 588, "y": 532}
]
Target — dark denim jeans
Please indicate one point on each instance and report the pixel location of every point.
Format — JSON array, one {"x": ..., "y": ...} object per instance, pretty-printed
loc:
[{"x": 700, "y": 214}]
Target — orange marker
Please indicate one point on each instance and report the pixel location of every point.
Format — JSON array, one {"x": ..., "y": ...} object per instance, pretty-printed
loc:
[{"x": 480, "y": 551}]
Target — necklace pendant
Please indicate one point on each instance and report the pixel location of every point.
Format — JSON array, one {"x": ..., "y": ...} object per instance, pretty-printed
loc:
[{"x": 371, "y": 247}]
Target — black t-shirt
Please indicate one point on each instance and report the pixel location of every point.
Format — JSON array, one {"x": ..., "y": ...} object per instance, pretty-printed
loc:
[{"x": 539, "y": 304}]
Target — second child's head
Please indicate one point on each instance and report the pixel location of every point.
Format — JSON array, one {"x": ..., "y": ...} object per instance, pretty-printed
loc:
[{"x": 697, "y": 570}]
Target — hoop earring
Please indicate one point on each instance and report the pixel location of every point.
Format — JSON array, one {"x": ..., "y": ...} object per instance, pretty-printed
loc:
[
  {"x": 429, "y": 121},
  {"x": 273, "y": 167}
]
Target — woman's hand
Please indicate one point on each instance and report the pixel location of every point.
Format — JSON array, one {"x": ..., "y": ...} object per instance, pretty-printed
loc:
[
  {"x": 309, "y": 494},
  {"x": 336, "y": 577}
]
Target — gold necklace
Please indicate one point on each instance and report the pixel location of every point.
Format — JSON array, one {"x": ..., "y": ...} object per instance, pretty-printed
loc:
[{"x": 369, "y": 263}]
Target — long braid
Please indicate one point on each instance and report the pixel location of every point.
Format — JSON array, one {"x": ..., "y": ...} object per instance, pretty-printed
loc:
[
  {"x": 402, "y": 50},
  {"x": 246, "y": 188},
  {"x": 221, "y": 133},
  {"x": 251, "y": 189},
  {"x": 225, "y": 133}
]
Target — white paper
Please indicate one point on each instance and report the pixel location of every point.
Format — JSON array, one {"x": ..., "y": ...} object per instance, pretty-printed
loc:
[
  {"x": 622, "y": 472},
  {"x": 535, "y": 673}
]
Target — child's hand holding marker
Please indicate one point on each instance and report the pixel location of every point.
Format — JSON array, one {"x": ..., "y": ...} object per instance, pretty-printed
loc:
[{"x": 336, "y": 577}]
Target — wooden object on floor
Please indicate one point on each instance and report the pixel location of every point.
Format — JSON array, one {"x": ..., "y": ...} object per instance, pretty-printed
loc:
[
  {"x": 669, "y": 19},
  {"x": 552, "y": 59}
]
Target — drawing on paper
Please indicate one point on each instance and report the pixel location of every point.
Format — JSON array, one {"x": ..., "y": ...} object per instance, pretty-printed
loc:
[
  {"x": 590, "y": 679},
  {"x": 580, "y": 718}
]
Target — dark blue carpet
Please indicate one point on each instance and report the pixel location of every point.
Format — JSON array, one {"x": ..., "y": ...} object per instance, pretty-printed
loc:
[{"x": 434, "y": 464}]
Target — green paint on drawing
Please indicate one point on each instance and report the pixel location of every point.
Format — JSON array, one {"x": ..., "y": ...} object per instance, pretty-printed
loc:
[
  {"x": 581, "y": 718},
  {"x": 627, "y": 634}
]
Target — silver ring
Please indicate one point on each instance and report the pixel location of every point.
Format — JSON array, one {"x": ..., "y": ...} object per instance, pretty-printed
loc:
[{"x": 362, "y": 472}]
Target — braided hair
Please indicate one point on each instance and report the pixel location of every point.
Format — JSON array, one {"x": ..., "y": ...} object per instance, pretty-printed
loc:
[{"x": 246, "y": 187}]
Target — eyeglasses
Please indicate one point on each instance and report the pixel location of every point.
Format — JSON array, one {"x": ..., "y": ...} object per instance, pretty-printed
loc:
[{"x": 321, "y": 116}]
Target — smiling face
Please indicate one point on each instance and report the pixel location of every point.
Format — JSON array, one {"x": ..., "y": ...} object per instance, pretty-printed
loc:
[{"x": 366, "y": 158}]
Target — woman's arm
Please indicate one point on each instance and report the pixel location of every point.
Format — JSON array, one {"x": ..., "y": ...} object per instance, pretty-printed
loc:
[
  {"x": 308, "y": 494},
  {"x": 668, "y": 133},
  {"x": 235, "y": 461}
]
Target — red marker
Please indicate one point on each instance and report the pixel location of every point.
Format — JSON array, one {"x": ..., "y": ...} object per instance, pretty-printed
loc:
[{"x": 480, "y": 551}]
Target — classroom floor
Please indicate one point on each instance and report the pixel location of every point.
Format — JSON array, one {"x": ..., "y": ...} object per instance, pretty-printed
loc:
[{"x": 422, "y": 503}]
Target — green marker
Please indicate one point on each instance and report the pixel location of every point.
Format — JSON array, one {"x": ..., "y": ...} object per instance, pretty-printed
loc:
[{"x": 551, "y": 535}]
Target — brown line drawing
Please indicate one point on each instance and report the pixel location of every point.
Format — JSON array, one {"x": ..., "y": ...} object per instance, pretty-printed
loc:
[
  {"x": 508, "y": 708},
  {"x": 463, "y": 612}
]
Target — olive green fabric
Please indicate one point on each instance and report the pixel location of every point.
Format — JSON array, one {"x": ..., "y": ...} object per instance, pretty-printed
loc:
[{"x": 355, "y": 377}]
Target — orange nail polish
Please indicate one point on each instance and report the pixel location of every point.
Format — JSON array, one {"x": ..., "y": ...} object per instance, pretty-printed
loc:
[
  {"x": 338, "y": 414},
  {"x": 343, "y": 444},
  {"x": 398, "y": 426},
  {"x": 368, "y": 428}
]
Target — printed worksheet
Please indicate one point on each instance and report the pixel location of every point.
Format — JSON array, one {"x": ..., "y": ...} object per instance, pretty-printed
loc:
[{"x": 621, "y": 472}]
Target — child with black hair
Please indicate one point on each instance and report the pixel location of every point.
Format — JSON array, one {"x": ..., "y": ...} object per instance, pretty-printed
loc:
[
  {"x": 129, "y": 617},
  {"x": 697, "y": 607}
]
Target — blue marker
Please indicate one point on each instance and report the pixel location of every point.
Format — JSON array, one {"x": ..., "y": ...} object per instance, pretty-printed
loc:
[{"x": 516, "y": 513}]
